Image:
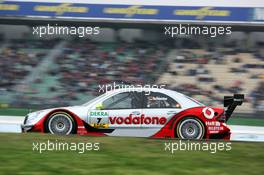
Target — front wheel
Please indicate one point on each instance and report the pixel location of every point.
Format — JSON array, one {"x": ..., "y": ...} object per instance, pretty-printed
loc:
[
  {"x": 190, "y": 128},
  {"x": 60, "y": 123}
]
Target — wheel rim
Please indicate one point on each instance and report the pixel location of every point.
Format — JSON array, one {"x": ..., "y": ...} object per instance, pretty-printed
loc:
[
  {"x": 60, "y": 124},
  {"x": 191, "y": 129}
]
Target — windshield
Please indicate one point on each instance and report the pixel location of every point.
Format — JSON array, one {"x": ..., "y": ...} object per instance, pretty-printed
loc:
[
  {"x": 195, "y": 101},
  {"x": 93, "y": 100}
]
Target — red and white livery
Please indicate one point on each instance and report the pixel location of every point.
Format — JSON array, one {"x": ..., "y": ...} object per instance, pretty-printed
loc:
[{"x": 138, "y": 112}]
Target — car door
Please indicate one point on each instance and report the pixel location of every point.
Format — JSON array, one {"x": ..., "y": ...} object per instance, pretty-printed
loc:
[
  {"x": 159, "y": 106},
  {"x": 118, "y": 111}
]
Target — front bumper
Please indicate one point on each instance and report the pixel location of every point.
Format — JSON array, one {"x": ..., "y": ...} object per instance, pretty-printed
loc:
[{"x": 26, "y": 128}]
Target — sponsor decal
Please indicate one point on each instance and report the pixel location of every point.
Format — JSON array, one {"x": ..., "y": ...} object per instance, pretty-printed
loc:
[
  {"x": 214, "y": 126},
  {"x": 213, "y": 123},
  {"x": 147, "y": 12},
  {"x": 258, "y": 14},
  {"x": 99, "y": 125},
  {"x": 215, "y": 129},
  {"x": 101, "y": 119},
  {"x": 61, "y": 8},
  {"x": 131, "y": 10},
  {"x": 137, "y": 120},
  {"x": 203, "y": 12},
  {"x": 9, "y": 7},
  {"x": 158, "y": 98},
  {"x": 98, "y": 113},
  {"x": 208, "y": 112}
]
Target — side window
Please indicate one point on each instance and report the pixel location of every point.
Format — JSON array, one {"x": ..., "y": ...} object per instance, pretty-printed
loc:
[
  {"x": 159, "y": 100},
  {"x": 125, "y": 100}
]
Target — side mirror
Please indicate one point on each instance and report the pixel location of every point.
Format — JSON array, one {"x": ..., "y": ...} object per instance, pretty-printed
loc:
[{"x": 99, "y": 106}]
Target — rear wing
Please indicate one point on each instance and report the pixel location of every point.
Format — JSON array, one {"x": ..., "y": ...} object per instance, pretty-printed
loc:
[{"x": 231, "y": 102}]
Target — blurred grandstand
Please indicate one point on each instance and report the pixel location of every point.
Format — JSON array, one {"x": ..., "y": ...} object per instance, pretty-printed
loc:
[
  {"x": 131, "y": 48},
  {"x": 42, "y": 73}
]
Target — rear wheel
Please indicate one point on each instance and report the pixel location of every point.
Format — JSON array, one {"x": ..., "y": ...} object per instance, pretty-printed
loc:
[
  {"x": 190, "y": 128},
  {"x": 60, "y": 123}
]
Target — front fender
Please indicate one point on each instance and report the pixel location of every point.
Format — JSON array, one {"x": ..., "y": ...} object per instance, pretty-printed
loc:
[{"x": 39, "y": 126}]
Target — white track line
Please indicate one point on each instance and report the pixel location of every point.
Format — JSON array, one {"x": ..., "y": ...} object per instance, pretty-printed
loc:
[
  {"x": 11, "y": 119},
  {"x": 238, "y": 129}
]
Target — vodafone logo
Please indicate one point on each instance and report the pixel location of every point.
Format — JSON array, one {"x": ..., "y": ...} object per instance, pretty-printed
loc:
[
  {"x": 208, "y": 112},
  {"x": 138, "y": 120}
]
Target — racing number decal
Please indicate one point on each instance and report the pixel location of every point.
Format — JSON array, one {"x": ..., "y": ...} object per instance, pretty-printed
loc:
[{"x": 99, "y": 119}]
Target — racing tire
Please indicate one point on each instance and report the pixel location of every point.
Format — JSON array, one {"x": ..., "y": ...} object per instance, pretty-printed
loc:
[
  {"x": 60, "y": 123},
  {"x": 190, "y": 128}
]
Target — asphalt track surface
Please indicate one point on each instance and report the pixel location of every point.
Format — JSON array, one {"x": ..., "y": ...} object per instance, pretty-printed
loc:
[{"x": 11, "y": 124}]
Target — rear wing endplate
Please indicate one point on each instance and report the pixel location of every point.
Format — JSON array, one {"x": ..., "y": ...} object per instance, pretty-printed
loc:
[{"x": 231, "y": 102}]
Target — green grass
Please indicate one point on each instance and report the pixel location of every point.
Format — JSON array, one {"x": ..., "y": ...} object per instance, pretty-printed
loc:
[
  {"x": 119, "y": 155},
  {"x": 15, "y": 111},
  {"x": 246, "y": 121}
]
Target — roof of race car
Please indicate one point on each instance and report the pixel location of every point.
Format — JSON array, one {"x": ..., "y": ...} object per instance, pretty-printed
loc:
[
  {"x": 181, "y": 98},
  {"x": 148, "y": 89}
]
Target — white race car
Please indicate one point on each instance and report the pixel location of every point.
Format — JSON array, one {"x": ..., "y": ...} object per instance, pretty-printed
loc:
[{"x": 139, "y": 112}]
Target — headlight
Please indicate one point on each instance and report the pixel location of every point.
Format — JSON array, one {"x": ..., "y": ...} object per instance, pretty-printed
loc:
[
  {"x": 25, "y": 120},
  {"x": 31, "y": 117}
]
